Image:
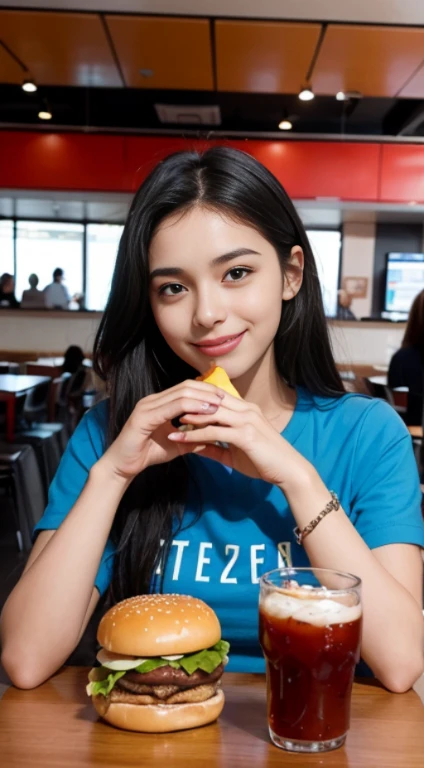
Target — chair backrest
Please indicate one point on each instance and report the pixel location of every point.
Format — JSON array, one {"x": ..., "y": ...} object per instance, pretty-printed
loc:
[
  {"x": 37, "y": 399},
  {"x": 375, "y": 389},
  {"x": 398, "y": 398}
]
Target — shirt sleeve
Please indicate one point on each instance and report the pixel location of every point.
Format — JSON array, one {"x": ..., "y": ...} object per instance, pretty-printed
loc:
[
  {"x": 386, "y": 494},
  {"x": 85, "y": 447}
]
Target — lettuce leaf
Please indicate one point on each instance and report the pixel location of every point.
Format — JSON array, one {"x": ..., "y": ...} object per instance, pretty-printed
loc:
[
  {"x": 150, "y": 664},
  {"x": 104, "y": 686},
  {"x": 102, "y": 680}
]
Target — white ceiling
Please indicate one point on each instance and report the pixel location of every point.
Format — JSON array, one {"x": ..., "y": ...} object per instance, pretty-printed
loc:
[{"x": 370, "y": 11}]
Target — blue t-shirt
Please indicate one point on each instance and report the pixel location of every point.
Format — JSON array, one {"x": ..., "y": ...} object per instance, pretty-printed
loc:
[{"x": 360, "y": 448}]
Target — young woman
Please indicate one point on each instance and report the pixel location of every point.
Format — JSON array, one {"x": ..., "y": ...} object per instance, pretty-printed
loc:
[
  {"x": 214, "y": 264},
  {"x": 407, "y": 364}
]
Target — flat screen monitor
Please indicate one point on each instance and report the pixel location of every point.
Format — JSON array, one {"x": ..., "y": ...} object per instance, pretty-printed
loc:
[{"x": 404, "y": 279}]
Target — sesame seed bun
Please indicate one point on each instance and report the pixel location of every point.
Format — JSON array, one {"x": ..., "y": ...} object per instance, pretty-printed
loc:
[
  {"x": 152, "y": 718},
  {"x": 159, "y": 625}
]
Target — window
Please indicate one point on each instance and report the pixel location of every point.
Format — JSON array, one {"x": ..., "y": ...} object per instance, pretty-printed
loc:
[
  {"x": 6, "y": 247},
  {"x": 102, "y": 247},
  {"x": 326, "y": 249},
  {"x": 43, "y": 246}
]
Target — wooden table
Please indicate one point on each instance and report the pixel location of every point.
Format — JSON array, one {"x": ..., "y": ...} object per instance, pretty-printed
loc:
[
  {"x": 12, "y": 387},
  {"x": 55, "y": 726}
]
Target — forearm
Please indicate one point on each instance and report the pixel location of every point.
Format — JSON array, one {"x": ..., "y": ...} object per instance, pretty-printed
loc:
[
  {"x": 42, "y": 618},
  {"x": 392, "y": 641}
]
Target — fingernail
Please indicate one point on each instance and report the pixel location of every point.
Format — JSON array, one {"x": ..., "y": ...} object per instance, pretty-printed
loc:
[
  {"x": 221, "y": 394},
  {"x": 209, "y": 407},
  {"x": 176, "y": 436}
]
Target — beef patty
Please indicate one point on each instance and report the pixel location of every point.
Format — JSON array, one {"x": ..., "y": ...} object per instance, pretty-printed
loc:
[{"x": 169, "y": 676}]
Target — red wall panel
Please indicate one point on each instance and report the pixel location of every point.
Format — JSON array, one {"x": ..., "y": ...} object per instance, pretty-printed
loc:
[
  {"x": 68, "y": 161},
  {"x": 402, "y": 173},
  {"x": 61, "y": 161},
  {"x": 306, "y": 169}
]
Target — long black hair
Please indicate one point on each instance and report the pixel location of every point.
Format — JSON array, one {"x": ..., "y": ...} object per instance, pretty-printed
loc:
[{"x": 133, "y": 357}]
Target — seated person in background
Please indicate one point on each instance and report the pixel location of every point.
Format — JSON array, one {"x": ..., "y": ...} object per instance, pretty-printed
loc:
[
  {"x": 33, "y": 298},
  {"x": 56, "y": 295},
  {"x": 344, "y": 300},
  {"x": 75, "y": 383},
  {"x": 407, "y": 364},
  {"x": 7, "y": 288}
]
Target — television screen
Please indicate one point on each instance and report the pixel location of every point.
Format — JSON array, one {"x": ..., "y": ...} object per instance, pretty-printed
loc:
[{"x": 404, "y": 279}]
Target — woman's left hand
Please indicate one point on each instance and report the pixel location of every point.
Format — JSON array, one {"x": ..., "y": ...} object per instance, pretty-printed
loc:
[{"x": 255, "y": 447}]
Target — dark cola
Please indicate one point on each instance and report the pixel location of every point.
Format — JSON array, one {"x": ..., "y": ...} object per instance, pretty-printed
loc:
[{"x": 311, "y": 647}]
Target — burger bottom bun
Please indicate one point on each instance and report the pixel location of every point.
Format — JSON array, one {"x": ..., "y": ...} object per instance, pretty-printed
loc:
[{"x": 151, "y": 718}]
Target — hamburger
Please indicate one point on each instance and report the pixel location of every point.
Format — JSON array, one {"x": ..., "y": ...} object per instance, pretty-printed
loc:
[{"x": 162, "y": 660}]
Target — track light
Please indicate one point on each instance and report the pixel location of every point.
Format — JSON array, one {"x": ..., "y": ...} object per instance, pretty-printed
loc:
[
  {"x": 285, "y": 125},
  {"x": 306, "y": 94},
  {"x": 29, "y": 86}
]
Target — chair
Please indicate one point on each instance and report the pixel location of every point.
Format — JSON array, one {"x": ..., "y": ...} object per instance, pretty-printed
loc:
[
  {"x": 36, "y": 403},
  {"x": 47, "y": 451},
  {"x": 398, "y": 399},
  {"x": 20, "y": 474},
  {"x": 6, "y": 367}
]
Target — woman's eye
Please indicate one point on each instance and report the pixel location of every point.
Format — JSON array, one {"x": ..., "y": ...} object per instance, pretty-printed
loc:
[
  {"x": 237, "y": 274},
  {"x": 172, "y": 289}
]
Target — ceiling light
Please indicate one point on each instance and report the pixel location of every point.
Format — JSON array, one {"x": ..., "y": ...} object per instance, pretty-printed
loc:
[
  {"x": 29, "y": 86},
  {"x": 285, "y": 125},
  {"x": 45, "y": 114},
  {"x": 306, "y": 94},
  {"x": 347, "y": 95}
]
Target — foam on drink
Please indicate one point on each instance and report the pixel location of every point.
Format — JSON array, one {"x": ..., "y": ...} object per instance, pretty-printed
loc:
[{"x": 310, "y": 606}]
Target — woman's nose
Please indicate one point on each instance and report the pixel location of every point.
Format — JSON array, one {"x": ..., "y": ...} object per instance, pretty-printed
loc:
[{"x": 209, "y": 309}]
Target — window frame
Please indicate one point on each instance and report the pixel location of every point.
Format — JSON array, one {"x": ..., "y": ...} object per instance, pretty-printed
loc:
[{"x": 84, "y": 222}]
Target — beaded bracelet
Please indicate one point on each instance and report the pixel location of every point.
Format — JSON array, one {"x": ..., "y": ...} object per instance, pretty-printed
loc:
[{"x": 333, "y": 504}]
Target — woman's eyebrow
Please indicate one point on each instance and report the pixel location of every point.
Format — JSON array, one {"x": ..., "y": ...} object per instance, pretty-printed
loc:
[{"x": 230, "y": 256}]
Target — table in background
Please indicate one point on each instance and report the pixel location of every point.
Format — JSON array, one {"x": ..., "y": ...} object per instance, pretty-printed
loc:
[
  {"x": 11, "y": 387},
  {"x": 55, "y": 726}
]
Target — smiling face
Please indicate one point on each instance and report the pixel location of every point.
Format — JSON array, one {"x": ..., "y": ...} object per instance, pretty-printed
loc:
[{"x": 216, "y": 280}]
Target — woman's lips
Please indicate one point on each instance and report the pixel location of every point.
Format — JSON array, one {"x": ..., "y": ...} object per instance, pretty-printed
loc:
[{"x": 220, "y": 349}]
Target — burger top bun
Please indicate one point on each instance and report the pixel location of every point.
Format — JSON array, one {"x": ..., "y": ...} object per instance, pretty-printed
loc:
[
  {"x": 216, "y": 375},
  {"x": 159, "y": 625}
]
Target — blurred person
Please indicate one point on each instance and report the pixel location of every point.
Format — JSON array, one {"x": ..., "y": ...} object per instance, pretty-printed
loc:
[
  {"x": 406, "y": 367},
  {"x": 56, "y": 295},
  {"x": 76, "y": 380},
  {"x": 344, "y": 301},
  {"x": 7, "y": 292},
  {"x": 33, "y": 298}
]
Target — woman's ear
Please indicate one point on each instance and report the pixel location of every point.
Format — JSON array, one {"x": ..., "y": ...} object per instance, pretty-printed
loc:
[{"x": 293, "y": 273}]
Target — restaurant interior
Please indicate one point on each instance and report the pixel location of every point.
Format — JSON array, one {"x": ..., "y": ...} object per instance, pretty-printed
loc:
[{"x": 330, "y": 98}]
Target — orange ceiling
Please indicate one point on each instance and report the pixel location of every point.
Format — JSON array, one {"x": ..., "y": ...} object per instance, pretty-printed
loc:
[
  {"x": 10, "y": 71},
  {"x": 251, "y": 56},
  {"x": 177, "y": 51},
  {"x": 61, "y": 48},
  {"x": 263, "y": 57},
  {"x": 377, "y": 61}
]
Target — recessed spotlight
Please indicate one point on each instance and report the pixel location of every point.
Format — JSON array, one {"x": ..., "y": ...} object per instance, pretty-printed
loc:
[
  {"x": 285, "y": 125},
  {"x": 44, "y": 114},
  {"x": 306, "y": 94},
  {"x": 29, "y": 86}
]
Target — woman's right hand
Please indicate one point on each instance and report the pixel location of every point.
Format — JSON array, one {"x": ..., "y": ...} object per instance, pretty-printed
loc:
[{"x": 143, "y": 441}]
